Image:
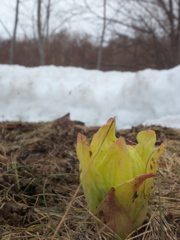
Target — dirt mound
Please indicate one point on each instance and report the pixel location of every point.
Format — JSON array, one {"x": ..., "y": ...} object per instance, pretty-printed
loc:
[{"x": 39, "y": 174}]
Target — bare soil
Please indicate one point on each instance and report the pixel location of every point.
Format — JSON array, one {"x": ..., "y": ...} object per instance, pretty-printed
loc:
[{"x": 39, "y": 174}]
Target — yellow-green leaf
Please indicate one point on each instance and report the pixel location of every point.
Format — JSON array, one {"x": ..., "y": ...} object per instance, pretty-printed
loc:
[
  {"x": 116, "y": 167},
  {"x": 152, "y": 165},
  {"x": 146, "y": 141},
  {"x": 92, "y": 182},
  {"x": 102, "y": 140},
  {"x": 131, "y": 195},
  {"x": 83, "y": 152}
]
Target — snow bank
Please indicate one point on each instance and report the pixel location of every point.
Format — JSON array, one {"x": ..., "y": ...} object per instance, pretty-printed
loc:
[{"x": 47, "y": 93}]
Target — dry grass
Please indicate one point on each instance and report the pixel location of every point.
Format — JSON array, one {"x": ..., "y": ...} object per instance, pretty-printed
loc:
[{"x": 39, "y": 177}]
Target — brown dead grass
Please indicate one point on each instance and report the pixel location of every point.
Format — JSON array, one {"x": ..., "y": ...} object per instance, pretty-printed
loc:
[{"x": 39, "y": 176}]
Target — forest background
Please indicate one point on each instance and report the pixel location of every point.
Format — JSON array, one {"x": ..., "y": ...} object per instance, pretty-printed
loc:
[{"x": 123, "y": 35}]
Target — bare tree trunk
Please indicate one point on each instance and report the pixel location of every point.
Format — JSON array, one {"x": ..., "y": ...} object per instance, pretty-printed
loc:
[
  {"x": 48, "y": 12},
  {"x": 170, "y": 16},
  {"x": 99, "y": 60},
  {"x": 40, "y": 34},
  {"x": 13, "y": 40}
]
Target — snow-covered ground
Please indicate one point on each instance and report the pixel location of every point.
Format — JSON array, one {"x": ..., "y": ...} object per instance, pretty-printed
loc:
[{"x": 47, "y": 93}]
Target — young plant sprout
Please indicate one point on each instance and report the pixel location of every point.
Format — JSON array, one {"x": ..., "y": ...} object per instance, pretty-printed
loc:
[{"x": 117, "y": 178}]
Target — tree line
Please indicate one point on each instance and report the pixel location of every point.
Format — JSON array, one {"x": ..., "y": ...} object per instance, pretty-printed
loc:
[{"x": 152, "y": 39}]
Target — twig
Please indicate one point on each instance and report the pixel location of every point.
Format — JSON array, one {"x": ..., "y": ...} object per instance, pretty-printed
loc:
[
  {"x": 13, "y": 158},
  {"x": 160, "y": 208}
]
